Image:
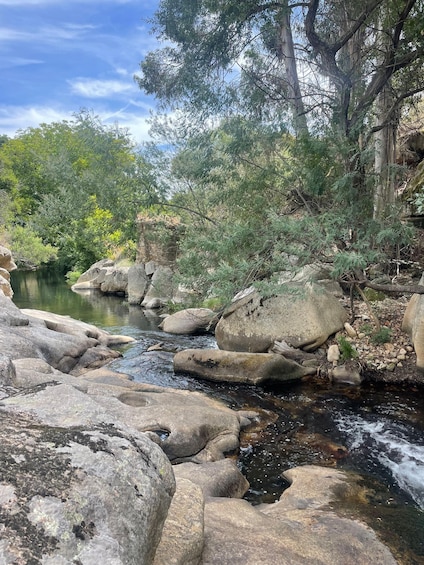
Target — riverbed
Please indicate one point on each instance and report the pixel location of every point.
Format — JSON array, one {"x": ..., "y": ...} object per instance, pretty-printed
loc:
[{"x": 375, "y": 431}]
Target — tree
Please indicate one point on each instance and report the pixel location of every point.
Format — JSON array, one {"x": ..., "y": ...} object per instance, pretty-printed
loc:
[
  {"x": 238, "y": 57},
  {"x": 55, "y": 174}
]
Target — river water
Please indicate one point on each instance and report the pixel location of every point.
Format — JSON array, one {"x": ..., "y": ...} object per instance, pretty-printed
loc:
[{"x": 372, "y": 430}]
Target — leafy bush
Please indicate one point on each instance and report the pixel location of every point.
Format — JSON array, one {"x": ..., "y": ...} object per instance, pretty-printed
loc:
[
  {"x": 28, "y": 248},
  {"x": 384, "y": 335},
  {"x": 347, "y": 350}
]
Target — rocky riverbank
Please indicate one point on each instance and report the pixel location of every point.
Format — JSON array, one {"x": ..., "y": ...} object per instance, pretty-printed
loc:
[{"x": 94, "y": 465}]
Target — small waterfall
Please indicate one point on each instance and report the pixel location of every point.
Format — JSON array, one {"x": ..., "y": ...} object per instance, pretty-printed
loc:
[{"x": 388, "y": 444}]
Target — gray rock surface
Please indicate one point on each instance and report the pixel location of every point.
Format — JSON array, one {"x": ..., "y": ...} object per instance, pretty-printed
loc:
[
  {"x": 238, "y": 367},
  {"x": 137, "y": 283},
  {"x": 298, "y": 530},
  {"x": 190, "y": 321},
  {"x": 303, "y": 315},
  {"x": 161, "y": 288},
  {"x": 73, "y": 490}
]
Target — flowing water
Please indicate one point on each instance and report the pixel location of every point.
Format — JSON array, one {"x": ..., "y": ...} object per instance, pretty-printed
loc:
[{"x": 375, "y": 431}]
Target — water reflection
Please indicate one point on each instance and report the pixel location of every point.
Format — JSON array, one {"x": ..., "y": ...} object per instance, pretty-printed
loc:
[{"x": 45, "y": 290}]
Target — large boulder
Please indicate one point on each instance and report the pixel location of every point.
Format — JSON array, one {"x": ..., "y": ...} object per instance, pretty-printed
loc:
[
  {"x": 94, "y": 276},
  {"x": 302, "y": 315},
  {"x": 413, "y": 324},
  {"x": 189, "y": 321},
  {"x": 161, "y": 288},
  {"x": 74, "y": 488},
  {"x": 238, "y": 367},
  {"x": 115, "y": 281},
  {"x": 137, "y": 283}
]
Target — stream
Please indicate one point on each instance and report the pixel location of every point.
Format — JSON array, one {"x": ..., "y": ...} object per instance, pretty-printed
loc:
[{"x": 373, "y": 430}]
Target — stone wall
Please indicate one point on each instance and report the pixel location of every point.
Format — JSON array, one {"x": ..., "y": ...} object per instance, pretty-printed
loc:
[{"x": 158, "y": 240}]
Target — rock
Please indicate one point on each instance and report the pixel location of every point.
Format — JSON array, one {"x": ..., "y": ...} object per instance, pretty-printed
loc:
[
  {"x": 161, "y": 288},
  {"x": 238, "y": 367},
  {"x": 313, "y": 272},
  {"x": 216, "y": 478},
  {"x": 115, "y": 281},
  {"x": 6, "y": 265},
  {"x": 6, "y": 260},
  {"x": 5, "y": 287},
  {"x": 189, "y": 321},
  {"x": 351, "y": 332},
  {"x": 150, "y": 267},
  {"x": 68, "y": 325},
  {"x": 298, "y": 355},
  {"x": 299, "y": 529},
  {"x": 182, "y": 536},
  {"x": 93, "y": 276},
  {"x": 58, "y": 340},
  {"x": 71, "y": 494},
  {"x": 333, "y": 354},
  {"x": 5, "y": 274},
  {"x": 137, "y": 283},
  {"x": 303, "y": 316},
  {"x": 189, "y": 426},
  {"x": 7, "y": 371},
  {"x": 413, "y": 324},
  {"x": 348, "y": 373}
]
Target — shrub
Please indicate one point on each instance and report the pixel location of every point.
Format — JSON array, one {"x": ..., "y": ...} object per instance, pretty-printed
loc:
[{"x": 346, "y": 349}]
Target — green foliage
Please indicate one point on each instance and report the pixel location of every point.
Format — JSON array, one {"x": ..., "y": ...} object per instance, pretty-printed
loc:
[
  {"x": 373, "y": 295},
  {"x": 79, "y": 185},
  {"x": 383, "y": 335},
  {"x": 347, "y": 350},
  {"x": 72, "y": 277},
  {"x": 28, "y": 249}
]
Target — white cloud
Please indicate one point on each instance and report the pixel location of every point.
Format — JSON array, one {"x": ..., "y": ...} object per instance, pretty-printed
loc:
[
  {"x": 94, "y": 88},
  {"x": 10, "y": 62},
  {"x": 15, "y": 118},
  {"x": 45, "y": 34}
]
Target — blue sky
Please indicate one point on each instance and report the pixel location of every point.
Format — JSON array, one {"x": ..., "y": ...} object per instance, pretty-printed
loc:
[{"x": 58, "y": 56}]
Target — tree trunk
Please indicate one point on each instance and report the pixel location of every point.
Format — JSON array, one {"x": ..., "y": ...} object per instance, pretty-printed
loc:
[
  {"x": 287, "y": 55},
  {"x": 385, "y": 145}
]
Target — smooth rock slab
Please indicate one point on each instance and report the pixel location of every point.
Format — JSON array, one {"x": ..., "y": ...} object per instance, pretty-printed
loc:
[
  {"x": 298, "y": 530},
  {"x": 238, "y": 367}
]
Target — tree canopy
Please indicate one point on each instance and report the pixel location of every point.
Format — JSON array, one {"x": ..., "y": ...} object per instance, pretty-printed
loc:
[
  {"x": 297, "y": 106},
  {"x": 77, "y": 186}
]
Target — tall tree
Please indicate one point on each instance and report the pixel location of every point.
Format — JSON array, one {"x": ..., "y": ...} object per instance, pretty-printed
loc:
[{"x": 241, "y": 57}]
